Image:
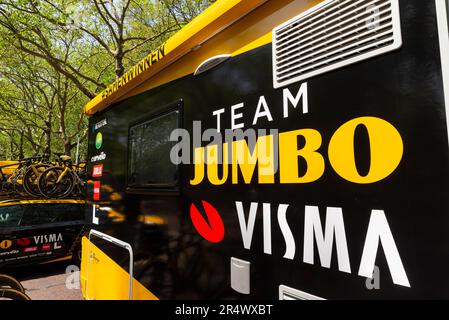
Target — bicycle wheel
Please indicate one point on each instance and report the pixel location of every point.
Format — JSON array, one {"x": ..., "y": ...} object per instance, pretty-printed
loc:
[
  {"x": 79, "y": 189},
  {"x": 10, "y": 282},
  {"x": 65, "y": 192},
  {"x": 31, "y": 178},
  {"x": 6, "y": 189},
  {"x": 13, "y": 295},
  {"x": 49, "y": 186}
]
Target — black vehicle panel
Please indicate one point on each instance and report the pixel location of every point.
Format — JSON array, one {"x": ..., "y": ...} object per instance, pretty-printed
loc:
[{"x": 403, "y": 87}]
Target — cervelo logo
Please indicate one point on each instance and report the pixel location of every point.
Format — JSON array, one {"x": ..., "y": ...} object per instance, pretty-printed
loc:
[
  {"x": 7, "y": 253},
  {"x": 99, "y": 157},
  {"x": 212, "y": 228}
]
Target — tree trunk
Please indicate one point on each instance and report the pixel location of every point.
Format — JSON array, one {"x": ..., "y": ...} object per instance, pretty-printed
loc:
[
  {"x": 11, "y": 146},
  {"x": 67, "y": 147},
  {"x": 47, "y": 132},
  {"x": 119, "y": 68},
  {"x": 21, "y": 154}
]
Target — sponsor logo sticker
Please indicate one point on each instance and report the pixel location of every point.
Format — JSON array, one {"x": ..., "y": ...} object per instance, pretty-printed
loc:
[
  {"x": 30, "y": 249},
  {"x": 5, "y": 244},
  {"x": 98, "y": 140},
  {"x": 24, "y": 242},
  {"x": 100, "y": 124},
  {"x": 48, "y": 238},
  {"x": 97, "y": 171},
  {"x": 46, "y": 247},
  {"x": 210, "y": 228},
  {"x": 97, "y": 186},
  {"x": 7, "y": 253},
  {"x": 99, "y": 157}
]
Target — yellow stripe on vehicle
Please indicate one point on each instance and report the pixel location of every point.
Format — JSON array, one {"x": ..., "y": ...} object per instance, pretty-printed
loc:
[
  {"x": 57, "y": 260},
  {"x": 13, "y": 202}
]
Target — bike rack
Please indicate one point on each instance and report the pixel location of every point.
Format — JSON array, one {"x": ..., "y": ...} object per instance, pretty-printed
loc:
[
  {"x": 118, "y": 243},
  {"x": 23, "y": 166}
]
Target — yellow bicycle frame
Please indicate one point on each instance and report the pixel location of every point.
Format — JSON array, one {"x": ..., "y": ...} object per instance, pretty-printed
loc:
[{"x": 67, "y": 169}]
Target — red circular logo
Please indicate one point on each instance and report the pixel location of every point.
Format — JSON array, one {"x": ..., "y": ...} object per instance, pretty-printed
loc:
[
  {"x": 212, "y": 228},
  {"x": 24, "y": 242}
]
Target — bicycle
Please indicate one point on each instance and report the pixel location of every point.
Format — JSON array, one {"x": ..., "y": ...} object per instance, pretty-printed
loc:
[
  {"x": 11, "y": 283},
  {"x": 32, "y": 173},
  {"x": 12, "y": 289},
  {"x": 60, "y": 181},
  {"x": 23, "y": 178},
  {"x": 13, "y": 295}
]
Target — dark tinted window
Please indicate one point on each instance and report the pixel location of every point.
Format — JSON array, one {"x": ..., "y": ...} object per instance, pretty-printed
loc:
[
  {"x": 10, "y": 216},
  {"x": 149, "y": 152},
  {"x": 37, "y": 214}
]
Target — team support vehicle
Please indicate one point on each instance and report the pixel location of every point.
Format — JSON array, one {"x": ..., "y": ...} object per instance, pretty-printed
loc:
[
  {"x": 284, "y": 149},
  {"x": 36, "y": 231}
]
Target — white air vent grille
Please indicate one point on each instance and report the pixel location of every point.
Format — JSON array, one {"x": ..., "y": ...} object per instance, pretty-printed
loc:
[{"x": 334, "y": 34}]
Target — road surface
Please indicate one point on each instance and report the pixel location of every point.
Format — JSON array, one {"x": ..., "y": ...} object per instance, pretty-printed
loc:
[{"x": 48, "y": 282}]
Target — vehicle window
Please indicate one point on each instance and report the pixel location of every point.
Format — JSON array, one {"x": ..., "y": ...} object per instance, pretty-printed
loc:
[
  {"x": 44, "y": 213},
  {"x": 36, "y": 214},
  {"x": 10, "y": 216},
  {"x": 149, "y": 152},
  {"x": 69, "y": 212}
]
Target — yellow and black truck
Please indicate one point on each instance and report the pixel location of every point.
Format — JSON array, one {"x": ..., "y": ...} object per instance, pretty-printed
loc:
[{"x": 288, "y": 149}]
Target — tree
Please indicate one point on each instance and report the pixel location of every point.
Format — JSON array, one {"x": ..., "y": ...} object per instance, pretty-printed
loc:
[
  {"x": 56, "y": 55},
  {"x": 115, "y": 28},
  {"x": 43, "y": 104}
]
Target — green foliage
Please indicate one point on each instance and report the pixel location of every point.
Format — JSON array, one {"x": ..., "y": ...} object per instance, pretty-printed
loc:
[{"x": 55, "y": 55}]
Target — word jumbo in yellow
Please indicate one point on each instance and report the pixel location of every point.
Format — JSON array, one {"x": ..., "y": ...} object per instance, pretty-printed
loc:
[{"x": 385, "y": 143}]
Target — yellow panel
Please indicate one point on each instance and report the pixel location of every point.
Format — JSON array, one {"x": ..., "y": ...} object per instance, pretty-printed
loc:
[
  {"x": 105, "y": 279},
  {"x": 263, "y": 40}
]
